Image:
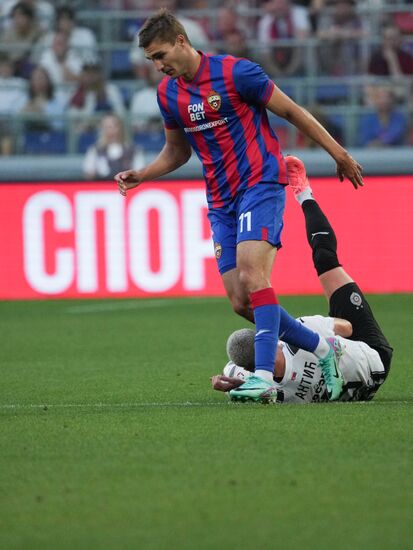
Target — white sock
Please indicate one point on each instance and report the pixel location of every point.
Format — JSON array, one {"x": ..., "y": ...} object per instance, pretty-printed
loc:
[
  {"x": 305, "y": 195},
  {"x": 323, "y": 348},
  {"x": 265, "y": 374}
]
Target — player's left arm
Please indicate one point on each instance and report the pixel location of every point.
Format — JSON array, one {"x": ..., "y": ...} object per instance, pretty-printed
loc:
[
  {"x": 281, "y": 105},
  {"x": 327, "y": 326}
]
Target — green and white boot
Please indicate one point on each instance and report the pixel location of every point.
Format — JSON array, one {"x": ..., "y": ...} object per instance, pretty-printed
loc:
[
  {"x": 255, "y": 389},
  {"x": 331, "y": 370}
]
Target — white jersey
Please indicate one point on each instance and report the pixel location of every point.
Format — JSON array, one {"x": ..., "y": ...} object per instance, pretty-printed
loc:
[{"x": 303, "y": 381}]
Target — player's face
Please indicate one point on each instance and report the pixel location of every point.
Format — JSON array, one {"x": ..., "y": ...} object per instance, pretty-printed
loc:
[{"x": 168, "y": 58}]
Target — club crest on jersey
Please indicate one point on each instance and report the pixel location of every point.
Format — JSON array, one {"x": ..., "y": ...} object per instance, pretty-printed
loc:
[
  {"x": 218, "y": 250},
  {"x": 214, "y": 100}
]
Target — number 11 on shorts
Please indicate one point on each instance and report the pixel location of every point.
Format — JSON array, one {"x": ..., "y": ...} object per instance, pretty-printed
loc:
[{"x": 247, "y": 217}]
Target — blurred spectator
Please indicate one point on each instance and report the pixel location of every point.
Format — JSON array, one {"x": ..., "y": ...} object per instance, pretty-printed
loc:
[
  {"x": 127, "y": 5},
  {"x": 227, "y": 21},
  {"x": 391, "y": 59},
  {"x": 13, "y": 95},
  {"x": 94, "y": 94},
  {"x": 44, "y": 11},
  {"x": 403, "y": 19},
  {"x": 20, "y": 37},
  {"x": 81, "y": 40},
  {"x": 282, "y": 21},
  {"x": 315, "y": 10},
  {"x": 112, "y": 152},
  {"x": 62, "y": 64},
  {"x": 230, "y": 33},
  {"x": 386, "y": 125},
  {"x": 144, "y": 105},
  {"x": 234, "y": 43},
  {"x": 43, "y": 100},
  {"x": 339, "y": 32}
]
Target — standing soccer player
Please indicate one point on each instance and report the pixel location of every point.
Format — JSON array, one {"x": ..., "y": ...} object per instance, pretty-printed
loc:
[{"x": 217, "y": 105}]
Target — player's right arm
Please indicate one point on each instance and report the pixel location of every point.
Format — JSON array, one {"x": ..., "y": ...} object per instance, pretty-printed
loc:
[{"x": 174, "y": 154}]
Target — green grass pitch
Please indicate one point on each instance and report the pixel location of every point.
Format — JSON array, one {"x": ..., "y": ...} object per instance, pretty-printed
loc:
[{"x": 111, "y": 438}]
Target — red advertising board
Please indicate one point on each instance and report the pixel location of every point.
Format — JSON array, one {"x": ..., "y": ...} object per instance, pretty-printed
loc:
[{"x": 86, "y": 240}]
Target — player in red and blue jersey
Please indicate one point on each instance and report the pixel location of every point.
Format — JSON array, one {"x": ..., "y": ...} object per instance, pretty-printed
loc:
[{"x": 217, "y": 106}]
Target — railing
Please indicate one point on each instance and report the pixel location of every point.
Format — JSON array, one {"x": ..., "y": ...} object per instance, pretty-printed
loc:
[{"x": 339, "y": 99}]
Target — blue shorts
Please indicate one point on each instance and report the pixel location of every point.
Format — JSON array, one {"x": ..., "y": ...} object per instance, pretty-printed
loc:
[{"x": 254, "y": 215}]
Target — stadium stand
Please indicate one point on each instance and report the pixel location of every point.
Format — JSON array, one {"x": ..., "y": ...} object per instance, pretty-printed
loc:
[{"x": 380, "y": 32}]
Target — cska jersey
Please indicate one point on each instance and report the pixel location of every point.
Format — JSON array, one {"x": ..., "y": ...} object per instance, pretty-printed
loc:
[
  {"x": 303, "y": 381},
  {"x": 222, "y": 112}
]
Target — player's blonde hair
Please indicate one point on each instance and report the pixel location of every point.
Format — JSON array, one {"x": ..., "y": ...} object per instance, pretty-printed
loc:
[{"x": 163, "y": 26}]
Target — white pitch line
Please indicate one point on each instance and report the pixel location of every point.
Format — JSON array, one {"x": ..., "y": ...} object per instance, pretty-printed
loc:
[
  {"x": 106, "y": 405},
  {"x": 116, "y": 306},
  {"x": 12, "y": 406},
  {"x": 122, "y": 305}
]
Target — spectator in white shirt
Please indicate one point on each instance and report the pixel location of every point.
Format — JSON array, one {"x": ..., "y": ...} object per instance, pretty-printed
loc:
[
  {"x": 144, "y": 105},
  {"x": 112, "y": 152},
  {"x": 82, "y": 40},
  {"x": 62, "y": 64},
  {"x": 13, "y": 95},
  {"x": 94, "y": 94}
]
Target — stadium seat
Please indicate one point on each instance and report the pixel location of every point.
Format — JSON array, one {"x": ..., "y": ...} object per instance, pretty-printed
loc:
[
  {"x": 151, "y": 141},
  {"x": 332, "y": 93},
  {"x": 120, "y": 64},
  {"x": 46, "y": 142},
  {"x": 337, "y": 120},
  {"x": 130, "y": 27},
  {"x": 85, "y": 140},
  {"x": 126, "y": 94}
]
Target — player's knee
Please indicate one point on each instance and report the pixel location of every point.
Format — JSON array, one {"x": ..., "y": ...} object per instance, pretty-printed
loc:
[
  {"x": 325, "y": 259},
  {"x": 252, "y": 280},
  {"x": 241, "y": 306}
]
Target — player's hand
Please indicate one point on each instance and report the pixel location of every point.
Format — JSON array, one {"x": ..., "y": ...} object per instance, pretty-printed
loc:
[
  {"x": 347, "y": 167},
  {"x": 224, "y": 383},
  {"x": 127, "y": 180}
]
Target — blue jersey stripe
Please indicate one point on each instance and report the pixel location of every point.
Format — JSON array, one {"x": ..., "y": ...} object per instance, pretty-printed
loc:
[
  {"x": 235, "y": 131},
  {"x": 172, "y": 98},
  {"x": 215, "y": 151},
  {"x": 261, "y": 143}
]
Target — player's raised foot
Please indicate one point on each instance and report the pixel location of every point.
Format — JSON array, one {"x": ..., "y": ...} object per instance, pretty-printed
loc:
[
  {"x": 255, "y": 389},
  {"x": 330, "y": 367},
  {"x": 297, "y": 175}
]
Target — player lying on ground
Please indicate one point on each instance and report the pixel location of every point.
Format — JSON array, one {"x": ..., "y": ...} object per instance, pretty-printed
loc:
[
  {"x": 218, "y": 106},
  {"x": 365, "y": 353}
]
